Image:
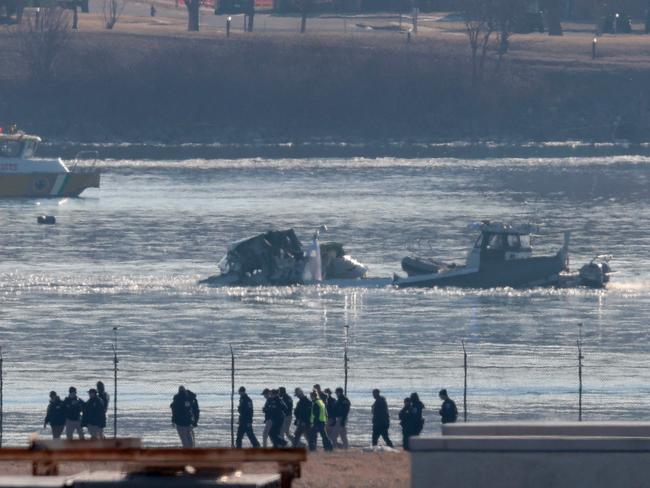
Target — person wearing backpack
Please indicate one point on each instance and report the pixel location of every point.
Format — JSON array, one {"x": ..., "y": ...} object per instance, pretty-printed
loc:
[
  {"x": 185, "y": 415},
  {"x": 448, "y": 411},
  {"x": 55, "y": 415}
]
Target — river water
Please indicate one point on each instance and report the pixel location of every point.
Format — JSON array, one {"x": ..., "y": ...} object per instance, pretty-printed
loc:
[{"x": 129, "y": 256}]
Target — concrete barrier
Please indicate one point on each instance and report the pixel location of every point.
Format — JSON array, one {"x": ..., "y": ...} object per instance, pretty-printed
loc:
[
  {"x": 584, "y": 429},
  {"x": 538, "y": 458}
]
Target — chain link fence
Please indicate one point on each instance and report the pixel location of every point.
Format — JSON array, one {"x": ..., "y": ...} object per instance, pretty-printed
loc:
[{"x": 489, "y": 382}]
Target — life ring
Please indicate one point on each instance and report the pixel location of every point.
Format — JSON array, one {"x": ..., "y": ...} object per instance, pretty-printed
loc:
[{"x": 41, "y": 185}]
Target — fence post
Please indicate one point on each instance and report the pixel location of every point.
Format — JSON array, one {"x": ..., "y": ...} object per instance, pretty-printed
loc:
[
  {"x": 115, "y": 361},
  {"x": 1, "y": 396},
  {"x": 580, "y": 358},
  {"x": 345, "y": 361},
  {"x": 464, "y": 382},
  {"x": 232, "y": 397}
]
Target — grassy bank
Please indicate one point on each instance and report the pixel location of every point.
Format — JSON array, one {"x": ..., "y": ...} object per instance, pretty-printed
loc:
[{"x": 150, "y": 84}]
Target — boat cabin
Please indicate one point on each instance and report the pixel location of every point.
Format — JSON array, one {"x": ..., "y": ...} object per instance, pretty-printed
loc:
[
  {"x": 500, "y": 242},
  {"x": 18, "y": 146}
]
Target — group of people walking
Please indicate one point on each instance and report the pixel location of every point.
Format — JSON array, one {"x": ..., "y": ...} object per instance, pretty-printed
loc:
[
  {"x": 73, "y": 414},
  {"x": 320, "y": 413}
]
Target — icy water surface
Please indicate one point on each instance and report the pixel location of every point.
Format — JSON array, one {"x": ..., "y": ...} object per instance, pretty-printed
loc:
[{"x": 129, "y": 256}]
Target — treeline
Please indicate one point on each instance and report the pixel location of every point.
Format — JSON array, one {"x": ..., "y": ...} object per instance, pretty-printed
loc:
[{"x": 115, "y": 86}]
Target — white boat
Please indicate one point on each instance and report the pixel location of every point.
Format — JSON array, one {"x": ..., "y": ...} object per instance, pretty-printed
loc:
[{"x": 24, "y": 175}]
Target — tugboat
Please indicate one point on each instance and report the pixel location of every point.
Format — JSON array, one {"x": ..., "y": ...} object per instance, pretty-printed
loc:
[
  {"x": 502, "y": 256},
  {"x": 277, "y": 258},
  {"x": 23, "y": 175}
]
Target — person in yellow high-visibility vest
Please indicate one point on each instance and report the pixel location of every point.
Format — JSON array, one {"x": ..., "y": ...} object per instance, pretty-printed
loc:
[{"x": 318, "y": 420}]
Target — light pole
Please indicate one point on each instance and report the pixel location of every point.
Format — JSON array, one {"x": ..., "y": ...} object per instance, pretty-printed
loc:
[
  {"x": 345, "y": 359},
  {"x": 115, "y": 361},
  {"x": 580, "y": 358},
  {"x": 1, "y": 396}
]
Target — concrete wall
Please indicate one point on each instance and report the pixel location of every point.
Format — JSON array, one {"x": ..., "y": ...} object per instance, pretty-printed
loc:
[
  {"x": 585, "y": 429},
  {"x": 532, "y": 462}
]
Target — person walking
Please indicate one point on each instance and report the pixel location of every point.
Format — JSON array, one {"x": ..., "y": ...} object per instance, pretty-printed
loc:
[
  {"x": 380, "y": 419},
  {"x": 317, "y": 421},
  {"x": 418, "y": 413},
  {"x": 55, "y": 415},
  {"x": 302, "y": 413},
  {"x": 94, "y": 415},
  {"x": 408, "y": 422},
  {"x": 330, "y": 406},
  {"x": 341, "y": 412},
  {"x": 266, "y": 393},
  {"x": 288, "y": 410},
  {"x": 448, "y": 411},
  {"x": 103, "y": 395},
  {"x": 245, "y": 425},
  {"x": 274, "y": 408},
  {"x": 73, "y": 407},
  {"x": 319, "y": 392},
  {"x": 185, "y": 415}
]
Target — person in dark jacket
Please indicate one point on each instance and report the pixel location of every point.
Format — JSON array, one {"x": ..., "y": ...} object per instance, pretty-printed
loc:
[
  {"x": 302, "y": 414},
  {"x": 185, "y": 415},
  {"x": 408, "y": 422},
  {"x": 94, "y": 415},
  {"x": 380, "y": 419},
  {"x": 330, "y": 406},
  {"x": 448, "y": 411},
  {"x": 317, "y": 421},
  {"x": 274, "y": 410},
  {"x": 341, "y": 412},
  {"x": 321, "y": 393},
  {"x": 266, "y": 393},
  {"x": 245, "y": 426},
  {"x": 103, "y": 395},
  {"x": 288, "y": 410},
  {"x": 73, "y": 406},
  {"x": 55, "y": 415},
  {"x": 418, "y": 416}
]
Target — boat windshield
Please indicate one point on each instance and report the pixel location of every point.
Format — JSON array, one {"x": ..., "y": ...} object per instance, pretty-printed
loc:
[
  {"x": 496, "y": 241},
  {"x": 30, "y": 149},
  {"x": 11, "y": 149},
  {"x": 524, "y": 241}
]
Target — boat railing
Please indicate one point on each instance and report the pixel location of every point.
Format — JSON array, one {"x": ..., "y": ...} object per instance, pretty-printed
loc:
[
  {"x": 420, "y": 246},
  {"x": 93, "y": 156}
]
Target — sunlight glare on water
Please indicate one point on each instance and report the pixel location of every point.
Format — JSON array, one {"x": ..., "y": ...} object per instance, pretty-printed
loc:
[{"x": 129, "y": 256}]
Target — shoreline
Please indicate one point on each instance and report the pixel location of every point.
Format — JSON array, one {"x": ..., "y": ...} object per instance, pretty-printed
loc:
[
  {"x": 284, "y": 149},
  {"x": 152, "y": 81}
]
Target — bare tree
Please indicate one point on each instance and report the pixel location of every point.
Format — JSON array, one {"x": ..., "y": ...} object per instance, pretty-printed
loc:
[
  {"x": 507, "y": 13},
  {"x": 479, "y": 25},
  {"x": 112, "y": 11},
  {"x": 193, "y": 10},
  {"x": 553, "y": 9},
  {"x": 305, "y": 8},
  {"x": 43, "y": 36}
]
